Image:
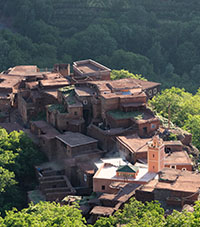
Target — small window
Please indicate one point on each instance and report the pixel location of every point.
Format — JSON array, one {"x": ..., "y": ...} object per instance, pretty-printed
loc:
[
  {"x": 184, "y": 169},
  {"x": 85, "y": 177},
  {"x": 153, "y": 126},
  {"x": 173, "y": 167},
  {"x": 155, "y": 90},
  {"x": 85, "y": 102},
  {"x": 150, "y": 92},
  {"x": 75, "y": 113},
  {"x": 153, "y": 167},
  {"x": 103, "y": 187},
  {"x": 153, "y": 156}
]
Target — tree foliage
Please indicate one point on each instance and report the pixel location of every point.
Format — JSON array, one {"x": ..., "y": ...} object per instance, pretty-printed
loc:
[
  {"x": 44, "y": 214},
  {"x": 120, "y": 74},
  {"x": 183, "y": 107},
  {"x": 158, "y": 39},
  {"x": 18, "y": 155}
]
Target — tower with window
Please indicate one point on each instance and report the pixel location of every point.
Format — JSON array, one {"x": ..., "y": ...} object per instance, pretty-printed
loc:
[{"x": 156, "y": 155}]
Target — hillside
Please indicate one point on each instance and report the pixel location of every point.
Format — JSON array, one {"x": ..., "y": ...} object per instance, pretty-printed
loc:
[{"x": 158, "y": 39}]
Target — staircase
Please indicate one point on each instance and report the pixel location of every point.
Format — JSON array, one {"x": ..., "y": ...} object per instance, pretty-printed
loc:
[{"x": 54, "y": 186}]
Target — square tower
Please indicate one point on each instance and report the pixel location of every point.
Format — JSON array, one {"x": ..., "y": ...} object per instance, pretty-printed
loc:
[{"x": 156, "y": 155}]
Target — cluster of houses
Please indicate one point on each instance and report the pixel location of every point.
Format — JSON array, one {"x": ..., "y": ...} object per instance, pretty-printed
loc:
[{"x": 99, "y": 136}]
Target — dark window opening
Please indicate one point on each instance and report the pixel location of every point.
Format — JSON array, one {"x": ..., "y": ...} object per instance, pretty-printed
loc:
[
  {"x": 145, "y": 130},
  {"x": 167, "y": 150},
  {"x": 103, "y": 187}
]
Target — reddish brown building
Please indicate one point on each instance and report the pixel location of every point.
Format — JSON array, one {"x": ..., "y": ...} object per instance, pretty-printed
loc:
[
  {"x": 173, "y": 188},
  {"x": 133, "y": 148},
  {"x": 90, "y": 70}
]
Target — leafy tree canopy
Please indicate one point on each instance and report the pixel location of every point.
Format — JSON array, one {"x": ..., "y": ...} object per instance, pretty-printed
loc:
[
  {"x": 44, "y": 214},
  {"x": 120, "y": 74},
  {"x": 18, "y": 155},
  {"x": 184, "y": 109}
]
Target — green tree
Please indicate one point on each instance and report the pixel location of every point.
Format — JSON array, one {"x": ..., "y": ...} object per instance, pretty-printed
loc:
[
  {"x": 18, "y": 155},
  {"x": 120, "y": 74},
  {"x": 44, "y": 214}
]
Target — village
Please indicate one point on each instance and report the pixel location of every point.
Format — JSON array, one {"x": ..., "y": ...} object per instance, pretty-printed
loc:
[{"x": 103, "y": 143}]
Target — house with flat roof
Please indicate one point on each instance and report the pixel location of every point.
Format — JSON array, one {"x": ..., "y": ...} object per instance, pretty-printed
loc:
[
  {"x": 115, "y": 170},
  {"x": 173, "y": 188},
  {"x": 133, "y": 149},
  {"x": 90, "y": 70}
]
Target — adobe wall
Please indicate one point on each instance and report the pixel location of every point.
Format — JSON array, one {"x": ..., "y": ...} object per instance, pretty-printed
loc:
[
  {"x": 172, "y": 147},
  {"x": 118, "y": 123},
  {"x": 151, "y": 126},
  {"x": 48, "y": 146},
  {"x": 141, "y": 155},
  {"x": 151, "y": 92},
  {"x": 63, "y": 151},
  {"x": 82, "y": 148},
  {"x": 109, "y": 104},
  {"x": 144, "y": 196},
  {"x": 182, "y": 166},
  {"x": 96, "y": 109},
  {"x": 98, "y": 183},
  {"x": 105, "y": 142},
  {"x": 161, "y": 194},
  {"x": 132, "y": 99},
  {"x": 5, "y": 104},
  {"x": 74, "y": 112}
]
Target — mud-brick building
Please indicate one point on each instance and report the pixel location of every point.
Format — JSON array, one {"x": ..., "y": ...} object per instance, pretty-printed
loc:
[
  {"x": 35, "y": 95},
  {"x": 134, "y": 148},
  {"x": 72, "y": 144},
  {"x": 47, "y": 137},
  {"x": 174, "y": 188},
  {"x": 118, "y": 108},
  {"x": 67, "y": 114},
  {"x": 117, "y": 171},
  {"x": 89, "y": 70}
]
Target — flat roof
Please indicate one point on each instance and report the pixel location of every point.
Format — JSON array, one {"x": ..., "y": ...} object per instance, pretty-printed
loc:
[
  {"x": 54, "y": 82},
  {"x": 47, "y": 130},
  {"x": 108, "y": 171},
  {"x": 74, "y": 139},
  {"x": 177, "y": 158},
  {"x": 176, "y": 180},
  {"x": 127, "y": 83},
  {"x": 84, "y": 91},
  {"x": 146, "y": 84},
  {"x": 89, "y": 66},
  {"x": 134, "y": 143},
  {"x": 7, "y": 81},
  {"x": 173, "y": 143},
  {"x": 182, "y": 180},
  {"x": 24, "y": 69}
]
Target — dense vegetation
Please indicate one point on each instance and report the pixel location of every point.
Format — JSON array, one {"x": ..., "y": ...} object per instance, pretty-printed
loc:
[
  {"x": 18, "y": 155},
  {"x": 135, "y": 214},
  {"x": 155, "y": 38},
  {"x": 184, "y": 110}
]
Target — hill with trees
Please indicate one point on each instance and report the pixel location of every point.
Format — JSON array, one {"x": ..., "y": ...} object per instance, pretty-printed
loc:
[{"x": 158, "y": 39}]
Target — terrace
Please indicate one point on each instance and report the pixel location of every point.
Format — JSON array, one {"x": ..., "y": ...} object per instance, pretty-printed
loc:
[
  {"x": 118, "y": 115},
  {"x": 58, "y": 107}
]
